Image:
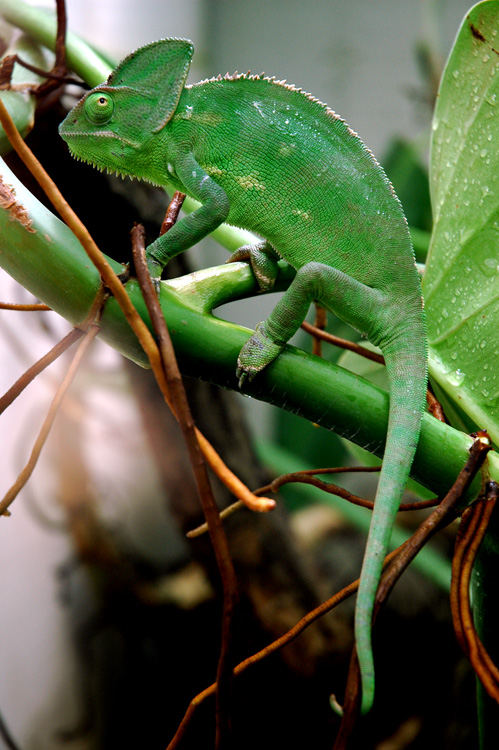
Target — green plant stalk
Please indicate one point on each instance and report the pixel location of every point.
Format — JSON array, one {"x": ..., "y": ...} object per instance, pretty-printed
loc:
[{"x": 40, "y": 252}]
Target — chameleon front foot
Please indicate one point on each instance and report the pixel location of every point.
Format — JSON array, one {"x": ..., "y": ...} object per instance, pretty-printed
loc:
[
  {"x": 258, "y": 352},
  {"x": 155, "y": 268},
  {"x": 263, "y": 261}
]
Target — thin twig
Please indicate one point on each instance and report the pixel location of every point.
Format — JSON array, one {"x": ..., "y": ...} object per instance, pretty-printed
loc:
[
  {"x": 30, "y": 374},
  {"x": 469, "y": 523},
  {"x": 172, "y": 212},
  {"x": 7, "y": 69},
  {"x": 343, "y": 343},
  {"x": 60, "y": 41},
  {"x": 320, "y": 323},
  {"x": 215, "y": 527},
  {"x": 225, "y": 513},
  {"x": 434, "y": 406},
  {"x": 479, "y": 515},
  {"x": 36, "y": 307},
  {"x": 306, "y": 477},
  {"x": 59, "y": 68},
  {"x": 230, "y": 480},
  {"x": 350, "y": 708}
]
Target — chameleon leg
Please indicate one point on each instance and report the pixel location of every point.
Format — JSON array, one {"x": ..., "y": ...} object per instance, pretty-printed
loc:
[
  {"x": 190, "y": 229},
  {"x": 263, "y": 259},
  {"x": 342, "y": 294}
]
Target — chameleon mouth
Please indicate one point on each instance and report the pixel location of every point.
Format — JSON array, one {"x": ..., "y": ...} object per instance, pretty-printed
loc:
[
  {"x": 74, "y": 138},
  {"x": 66, "y": 135}
]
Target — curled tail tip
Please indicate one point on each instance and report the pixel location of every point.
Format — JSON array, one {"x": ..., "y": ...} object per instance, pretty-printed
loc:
[
  {"x": 366, "y": 668},
  {"x": 365, "y": 656},
  {"x": 365, "y": 659},
  {"x": 367, "y": 694}
]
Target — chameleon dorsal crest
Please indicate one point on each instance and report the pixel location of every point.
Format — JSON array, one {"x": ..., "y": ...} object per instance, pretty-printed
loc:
[{"x": 158, "y": 72}]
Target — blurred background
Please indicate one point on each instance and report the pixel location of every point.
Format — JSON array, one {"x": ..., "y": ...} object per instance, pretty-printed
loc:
[{"x": 109, "y": 617}]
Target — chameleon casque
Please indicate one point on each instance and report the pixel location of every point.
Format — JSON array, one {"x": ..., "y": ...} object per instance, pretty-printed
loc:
[{"x": 263, "y": 155}]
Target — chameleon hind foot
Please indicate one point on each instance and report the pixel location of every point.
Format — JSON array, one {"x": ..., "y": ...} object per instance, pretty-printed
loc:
[
  {"x": 258, "y": 352},
  {"x": 263, "y": 260}
]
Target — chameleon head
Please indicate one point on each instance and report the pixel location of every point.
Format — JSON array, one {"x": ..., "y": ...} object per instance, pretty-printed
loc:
[
  {"x": 113, "y": 127},
  {"x": 93, "y": 133}
]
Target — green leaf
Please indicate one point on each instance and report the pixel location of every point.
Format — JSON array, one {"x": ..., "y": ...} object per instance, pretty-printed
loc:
[{"x": 461, "y": 283}]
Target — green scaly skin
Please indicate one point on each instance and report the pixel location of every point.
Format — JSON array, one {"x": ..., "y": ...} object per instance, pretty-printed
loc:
[{"x": 265, "y": 156}]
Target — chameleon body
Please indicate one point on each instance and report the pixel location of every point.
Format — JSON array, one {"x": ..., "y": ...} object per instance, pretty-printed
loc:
[{"x": 265, "y": 156}]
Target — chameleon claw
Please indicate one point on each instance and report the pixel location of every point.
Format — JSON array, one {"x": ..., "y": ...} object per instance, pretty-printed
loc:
[
  {"x": 242, "y": 376},
  {"x": 258, "y": 352},
  {"x": 155, "y": 270}
]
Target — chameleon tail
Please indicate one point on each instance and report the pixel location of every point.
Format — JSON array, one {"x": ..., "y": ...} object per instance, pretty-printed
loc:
[{"x": 406, "y": 365}]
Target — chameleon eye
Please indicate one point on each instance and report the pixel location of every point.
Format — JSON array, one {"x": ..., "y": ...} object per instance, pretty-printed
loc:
[{"x": 99, "y": 108}]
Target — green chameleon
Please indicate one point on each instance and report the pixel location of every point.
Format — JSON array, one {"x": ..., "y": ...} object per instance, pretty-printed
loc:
[{"x": 263, "y": 155}]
